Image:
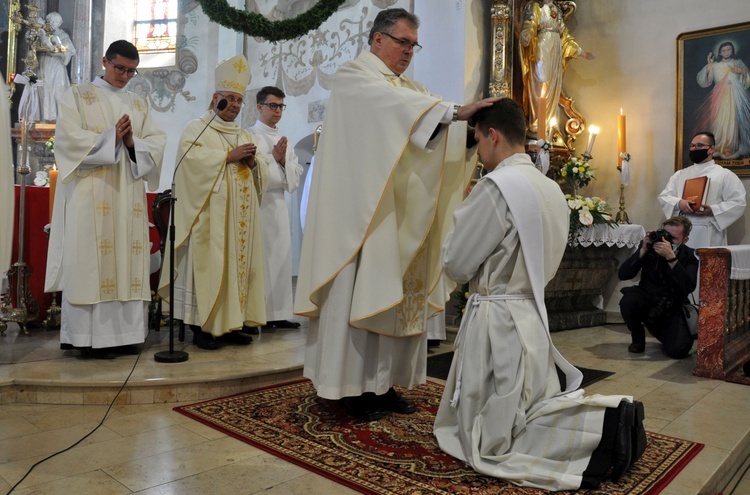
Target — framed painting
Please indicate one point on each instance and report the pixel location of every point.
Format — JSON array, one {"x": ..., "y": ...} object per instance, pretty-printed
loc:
[{"x": 713, "y": 93}]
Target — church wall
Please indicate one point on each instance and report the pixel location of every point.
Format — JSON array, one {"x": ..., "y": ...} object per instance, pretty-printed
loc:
[{"x": 635, "y": 68}]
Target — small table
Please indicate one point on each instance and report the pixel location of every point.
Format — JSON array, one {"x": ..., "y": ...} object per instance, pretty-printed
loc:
[{"x": 575, "y": 296}]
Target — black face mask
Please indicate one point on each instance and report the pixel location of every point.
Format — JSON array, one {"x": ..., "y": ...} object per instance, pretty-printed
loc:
[{"x": 698, "y": 156}]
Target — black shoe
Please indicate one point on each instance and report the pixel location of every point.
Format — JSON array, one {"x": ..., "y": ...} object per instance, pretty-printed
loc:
[
  {"x": 236, "y": 338},
  {"x": 639, "y": 438},
  {"x": 394, "y": 402},
  {"x": 101, "y": 353},
  {"x": 363, "y": 407},
  {"x": 202, "y": 339},
  {"x": 129, "y": 350},
  {"x": 636, "y": 348},
  {"x": 283, "y": 324},
  {"x": 250, "y": 330},
  {"x": 622, "y": 453},
  {"x": 67, "y": 347},
  {"x": 431, "y": 343}
]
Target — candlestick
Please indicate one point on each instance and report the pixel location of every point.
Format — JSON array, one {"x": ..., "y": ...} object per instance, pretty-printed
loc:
[
  {"x": 52, "y": 186},
  {"x": 621, "y": 139},
  {"x": 541, "y": 117}
]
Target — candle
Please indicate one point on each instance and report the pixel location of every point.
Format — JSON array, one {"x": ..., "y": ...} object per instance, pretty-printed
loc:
[
  {"x": 52, "y": 186},
  {"x": 541, "y": 117},
  {"x": 621, "y": 141},
  {"x": 593, "y": 131}
]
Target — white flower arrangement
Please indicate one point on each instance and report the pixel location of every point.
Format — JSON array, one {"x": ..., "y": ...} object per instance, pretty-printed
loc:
[{"x": 587, "y": 211}]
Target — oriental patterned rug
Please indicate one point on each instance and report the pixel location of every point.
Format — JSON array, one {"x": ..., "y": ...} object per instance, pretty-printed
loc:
[{"x": 398, "y": 454}]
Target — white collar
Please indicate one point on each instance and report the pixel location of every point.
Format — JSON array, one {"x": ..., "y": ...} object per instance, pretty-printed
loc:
[{"x": 99, "y": 82}]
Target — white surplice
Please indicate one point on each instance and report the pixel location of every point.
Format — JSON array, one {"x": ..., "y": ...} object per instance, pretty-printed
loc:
[
  {"x": 98, "y": 251},
  {"x": 502, "y": 410},
  {"x": 726, "y": 196},
  {"x": 370, "y": 265},
  {"x": 274, "y": 216}
]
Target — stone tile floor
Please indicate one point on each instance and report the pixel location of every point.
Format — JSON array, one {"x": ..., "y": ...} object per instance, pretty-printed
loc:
[{"x": 50, "y": 398}]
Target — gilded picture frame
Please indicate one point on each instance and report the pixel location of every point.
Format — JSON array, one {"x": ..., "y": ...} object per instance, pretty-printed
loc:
[{"x": 710, "y": 82}]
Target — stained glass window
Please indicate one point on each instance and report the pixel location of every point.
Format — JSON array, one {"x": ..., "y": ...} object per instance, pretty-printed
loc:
[{"x": 155, "y": 26}]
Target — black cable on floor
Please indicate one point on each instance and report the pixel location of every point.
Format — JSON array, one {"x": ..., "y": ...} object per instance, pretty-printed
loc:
[{"x": 95, "y": 428}]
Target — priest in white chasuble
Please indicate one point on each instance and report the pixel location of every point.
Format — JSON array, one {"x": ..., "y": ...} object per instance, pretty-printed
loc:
[
  {"x": 219, "y": 183},
  {"x": 380, "y": 199},
  {"x": 107, "y": 150},
  {"x": 503, "y": 411},
  {"x": 284, "y": 172}
]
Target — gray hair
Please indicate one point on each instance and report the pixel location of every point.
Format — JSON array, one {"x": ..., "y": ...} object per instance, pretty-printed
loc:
[{"x": 387, "y": 19}]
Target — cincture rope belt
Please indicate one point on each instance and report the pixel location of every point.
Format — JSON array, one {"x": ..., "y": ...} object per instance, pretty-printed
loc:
[{"x": 458, "y": 347}]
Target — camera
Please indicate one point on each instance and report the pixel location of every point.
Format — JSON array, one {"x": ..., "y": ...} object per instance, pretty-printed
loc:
[{"x": 658, "y": 236}]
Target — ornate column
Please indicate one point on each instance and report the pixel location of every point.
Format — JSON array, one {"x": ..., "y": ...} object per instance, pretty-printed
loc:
[
  {"x": 501, "y": 70},
  {"x": 80, "y": 67}
]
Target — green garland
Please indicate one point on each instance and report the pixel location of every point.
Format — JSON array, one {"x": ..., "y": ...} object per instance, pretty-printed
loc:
[{"x": 256, "y": 25}]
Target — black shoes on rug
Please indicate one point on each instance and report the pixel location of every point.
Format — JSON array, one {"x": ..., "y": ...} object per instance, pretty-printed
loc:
[
  {"x": 371, "y": 407},
  {"x": 630, "y": 439}
]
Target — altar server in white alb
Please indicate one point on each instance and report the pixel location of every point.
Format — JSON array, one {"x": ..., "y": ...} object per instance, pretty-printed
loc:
[
  {"x": 503, "y": 410},
  {"x": 380, "y": 198},
  {"x": 107, "y": 149},
  {"x": 724, "y": 204},
  {"x": 284, "y": 172}
]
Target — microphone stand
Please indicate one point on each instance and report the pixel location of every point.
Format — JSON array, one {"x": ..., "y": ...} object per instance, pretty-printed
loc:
[{"x": 173, "y": 356}]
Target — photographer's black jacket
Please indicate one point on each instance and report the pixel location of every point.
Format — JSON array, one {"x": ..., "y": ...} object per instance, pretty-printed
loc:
[{"x": 657, "y": 278}]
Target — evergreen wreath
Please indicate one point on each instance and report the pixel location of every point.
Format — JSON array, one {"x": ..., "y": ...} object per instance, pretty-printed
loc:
[{"x": 256, "y": 25}]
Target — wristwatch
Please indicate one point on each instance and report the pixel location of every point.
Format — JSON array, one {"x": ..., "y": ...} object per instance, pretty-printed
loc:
[{"x": 455, "y": 113}]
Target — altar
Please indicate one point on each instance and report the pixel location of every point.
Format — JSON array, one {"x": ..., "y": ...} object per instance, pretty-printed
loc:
[
  {"x": 575, "y": 296},
  {"x": 36, "y": 242}
]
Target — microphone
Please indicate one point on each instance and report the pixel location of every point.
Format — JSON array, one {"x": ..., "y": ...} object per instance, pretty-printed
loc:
[
  {"x": 220, "y": 107},
  {"x": 173, "y": 356}
]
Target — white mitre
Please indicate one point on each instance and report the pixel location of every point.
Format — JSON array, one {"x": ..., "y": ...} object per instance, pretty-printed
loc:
[{"x": 233, "y": 74}]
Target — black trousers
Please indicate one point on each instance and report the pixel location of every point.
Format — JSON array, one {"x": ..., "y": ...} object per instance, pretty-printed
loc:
[{"x": 670, "y": 329}]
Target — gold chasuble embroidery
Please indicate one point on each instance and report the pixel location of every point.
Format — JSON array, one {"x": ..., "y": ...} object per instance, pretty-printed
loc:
[{"x": 113, "y": 286}]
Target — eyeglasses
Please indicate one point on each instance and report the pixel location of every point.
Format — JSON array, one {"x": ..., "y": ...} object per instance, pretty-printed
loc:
[
  {"x": 405, "y": 44},
  {"x": 699, "y": 146},
  {"x": 275, "y": 106},
  {"x": 120, "y": 70},
  {"x": 232, "y": 99}
]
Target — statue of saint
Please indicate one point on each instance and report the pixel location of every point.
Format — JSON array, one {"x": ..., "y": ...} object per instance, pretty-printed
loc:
[
  {"x": 546, "y": 48},
  {"x": 54, "y": 56}
]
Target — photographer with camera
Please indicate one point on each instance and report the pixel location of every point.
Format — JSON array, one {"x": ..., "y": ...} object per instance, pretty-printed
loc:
[{"x": 669, "y": 272}]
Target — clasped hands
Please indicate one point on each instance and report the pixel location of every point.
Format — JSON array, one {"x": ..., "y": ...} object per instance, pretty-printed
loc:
[
  {"x": 124, "y": 131},
  {"x": 244, "y": 153}
]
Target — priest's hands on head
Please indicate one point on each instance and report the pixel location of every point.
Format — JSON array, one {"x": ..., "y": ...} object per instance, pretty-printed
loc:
[
  {"x": 244, "y": 153},
  {"x": 466, "y": 111},
  {"x": 124, "y": 131},
  {"x": 279, "y": 151}
]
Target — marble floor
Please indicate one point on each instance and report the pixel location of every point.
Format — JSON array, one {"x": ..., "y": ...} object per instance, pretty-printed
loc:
[{"x": 50, "y": 399}]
